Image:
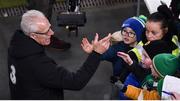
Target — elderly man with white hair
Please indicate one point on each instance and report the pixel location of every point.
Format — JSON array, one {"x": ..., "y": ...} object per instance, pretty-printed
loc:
[{"x": 33, "y": 75}]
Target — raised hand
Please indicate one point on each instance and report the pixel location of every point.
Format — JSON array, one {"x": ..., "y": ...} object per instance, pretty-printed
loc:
[
  {"x": 146, "y": 62},
  {"x": 102, "y": 45},
  {"x": 125, "y": 57},
  {"x": 87, "y": 47}
]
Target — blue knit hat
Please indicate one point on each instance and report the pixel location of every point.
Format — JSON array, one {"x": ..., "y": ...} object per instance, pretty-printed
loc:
[{"x": 137, "y": 24}]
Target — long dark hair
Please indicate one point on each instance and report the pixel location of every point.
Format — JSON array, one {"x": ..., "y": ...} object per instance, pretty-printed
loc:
[
  {"x": 159, "y": 17},
  {"x": 170, "y": 17}
]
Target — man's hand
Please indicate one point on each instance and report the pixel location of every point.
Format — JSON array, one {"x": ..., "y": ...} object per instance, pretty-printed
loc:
[
  {"x": 125, "y": 57},
  {"x": 102, "y": 45},
  {"x": 87, "y": 47}
]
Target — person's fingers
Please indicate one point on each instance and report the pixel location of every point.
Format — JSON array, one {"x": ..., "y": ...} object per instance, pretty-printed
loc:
[
  {"x": 92, "y": 42},
  {"x": 88, "y": 42},
  {"x": 122, "y": 54},
  {"x": 107, "y": 38},
  {"x": 107, "y": 45},
  {"x": 83, "y": 41},
  {"x": 125, "y": 57},
  {"x": 96, "y": 38},
  {"x": 82, "y": 46}
]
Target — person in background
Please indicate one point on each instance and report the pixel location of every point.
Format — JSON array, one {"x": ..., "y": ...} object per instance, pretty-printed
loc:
[
  {"x": 156, "y": 32},
  {"x": 173, "y": 20},
  {"x": 46, "y": 6},
  {"x": 73, "y": 5},
  {"x": 175, "y": 8},
  {"x": 34, "y": 75},
  {"x": 162, "y": 65},
  {"x": 156, "y": 29}
]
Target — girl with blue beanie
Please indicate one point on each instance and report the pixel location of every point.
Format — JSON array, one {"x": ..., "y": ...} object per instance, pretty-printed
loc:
[{"x": 131, "y": 31}]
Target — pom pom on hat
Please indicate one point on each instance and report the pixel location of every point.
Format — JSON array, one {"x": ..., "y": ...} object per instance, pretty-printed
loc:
[
  {"x": 165, "y": 64},
  {"x": 137, "y": 24}
]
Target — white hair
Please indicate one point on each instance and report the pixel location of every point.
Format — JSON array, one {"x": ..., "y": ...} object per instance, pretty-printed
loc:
[{"x": 29, "y": 21}]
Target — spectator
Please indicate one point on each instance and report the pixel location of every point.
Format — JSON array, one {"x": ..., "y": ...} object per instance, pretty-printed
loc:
[
  {"x": 33, "y": 75},
  {"x": 156, "y": 30},
  {"x": 73, "y": 5},
  {"x": 162, "y": 65},
  {"x": 175, "y": 8}
]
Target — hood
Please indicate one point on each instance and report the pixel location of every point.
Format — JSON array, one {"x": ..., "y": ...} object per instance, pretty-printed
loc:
[{"x": 22, "y": 46}]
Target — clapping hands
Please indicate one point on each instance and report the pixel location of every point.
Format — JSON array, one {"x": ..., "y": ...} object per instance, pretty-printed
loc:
[{"x": 99, "y": 46}]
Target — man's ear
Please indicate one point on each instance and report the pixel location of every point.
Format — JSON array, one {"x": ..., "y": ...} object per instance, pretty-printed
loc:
[{"x": 32, "y": 35}]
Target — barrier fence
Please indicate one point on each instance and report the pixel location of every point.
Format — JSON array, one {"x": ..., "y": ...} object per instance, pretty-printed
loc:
[{"x": 62, "y": 5}]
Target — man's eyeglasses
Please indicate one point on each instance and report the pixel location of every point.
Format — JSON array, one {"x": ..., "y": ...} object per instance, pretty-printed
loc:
[
  {"x": 44, "y": 32},
  {"x": 130, "y": 34}
]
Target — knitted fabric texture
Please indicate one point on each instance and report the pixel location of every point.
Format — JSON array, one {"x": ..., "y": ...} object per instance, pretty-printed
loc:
[{"x": 165, "y": 64}]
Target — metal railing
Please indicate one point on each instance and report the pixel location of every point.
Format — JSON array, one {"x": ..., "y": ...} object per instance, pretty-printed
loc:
[{"x": 59, "y": 6}]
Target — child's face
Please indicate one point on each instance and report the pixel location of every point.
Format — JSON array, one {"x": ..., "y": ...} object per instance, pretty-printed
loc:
[
  {"x": 154, "y": 31},
  {"x": 153, "y": 72},
  {"x": 146, "y": 61},
  {"x": 129, "y": 36}
]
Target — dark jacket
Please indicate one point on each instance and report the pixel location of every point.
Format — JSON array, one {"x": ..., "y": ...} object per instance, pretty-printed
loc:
[
  {"x": 33, "y": 75},
  {"x": 117, "y": 62}
]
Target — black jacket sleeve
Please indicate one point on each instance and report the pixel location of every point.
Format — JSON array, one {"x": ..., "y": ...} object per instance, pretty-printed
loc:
[
  {"x": 139, "y": 71},
  {"x": 48, "y": 74}
]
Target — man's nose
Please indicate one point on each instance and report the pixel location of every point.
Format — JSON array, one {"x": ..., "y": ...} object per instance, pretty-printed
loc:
[{"x": 51, "y": 32}]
